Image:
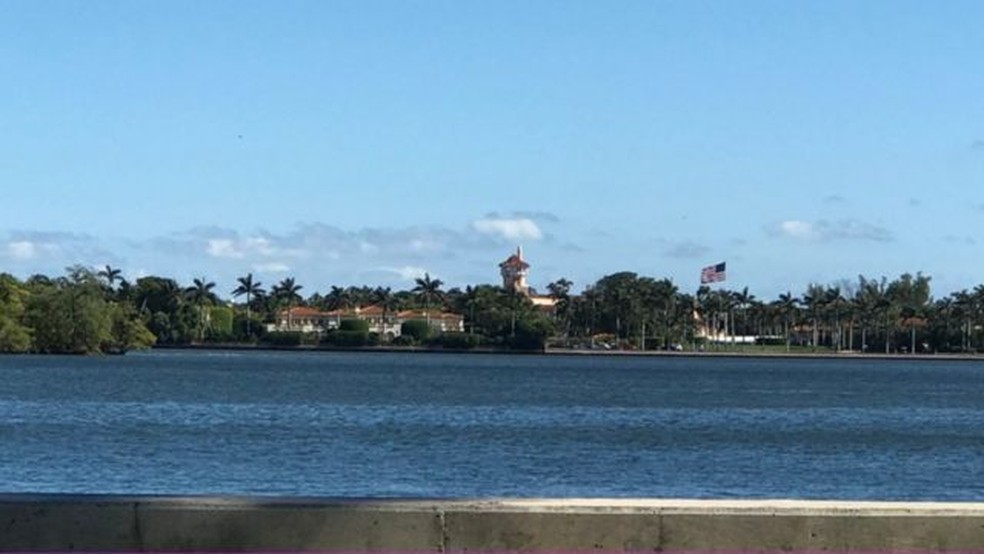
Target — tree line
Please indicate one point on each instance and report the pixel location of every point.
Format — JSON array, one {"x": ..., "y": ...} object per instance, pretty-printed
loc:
[
  {"x": 98, "y": 311},
  {"x": 865, "y": 315}
]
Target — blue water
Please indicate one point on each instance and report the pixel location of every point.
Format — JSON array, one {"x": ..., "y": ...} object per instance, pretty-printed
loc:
[{"x": 444, "y": 425}]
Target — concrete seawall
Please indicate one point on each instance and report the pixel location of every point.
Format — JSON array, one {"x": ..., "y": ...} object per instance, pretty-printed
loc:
[{"x": 119, "y": 523}]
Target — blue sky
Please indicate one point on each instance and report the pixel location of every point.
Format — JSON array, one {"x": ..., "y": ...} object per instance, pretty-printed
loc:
[{"x": 349, "y": 143}]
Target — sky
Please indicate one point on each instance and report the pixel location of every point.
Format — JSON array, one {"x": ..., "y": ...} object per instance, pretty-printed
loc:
[{"x": 370, "y": 142}]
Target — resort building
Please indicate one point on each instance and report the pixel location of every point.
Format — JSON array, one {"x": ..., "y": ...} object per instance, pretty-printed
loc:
[
  {"x": 312, "y": 320},
  {"x": 306, "y": 319}
]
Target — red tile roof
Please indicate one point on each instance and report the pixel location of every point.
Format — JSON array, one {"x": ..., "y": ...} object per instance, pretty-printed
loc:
[
  {"x": 515, "y": 261},
  {"x": 306, "y": 311},
  {"x": 421, "y": 314},
  {"x": 368, "y": 311}
]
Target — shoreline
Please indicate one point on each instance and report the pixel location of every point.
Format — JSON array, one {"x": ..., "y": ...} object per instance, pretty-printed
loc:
[
  {"x": 584, "y": 352},
  {"x": 825, "y": 355}
]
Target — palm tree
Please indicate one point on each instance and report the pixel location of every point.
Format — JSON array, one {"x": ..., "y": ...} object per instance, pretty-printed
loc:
[
  {"x": 468, "y": 301},
  {"x": 383, "y": 296},
  {"x": 657, "y": 299},
  {"x": 867, "y": 303},
  {"x": 339, "y": 298},
  {"x": 912, "y": 296},
  {"x": 702, "y": 311},
  {"x": 515, "y": 301},
  {"x": 586, "y": 312},
  {"x": 786, "y": 306},
  {"x": 743, "y": 300},
  {"x": 813, "y": 301},
  {"x": 428, "y": 290},
  {"x": 200, "y": 291},
  {"x": 884, "y": 309},
  {"x": 110, "y": 274},
  {"x": 833, "y": 304},
  {"x": 560, "y": 291},
  {"x": 125, "y": 291},
  {"x": 288, "y": 292},
  {"x": 201, "y": 294},
  {"x": 617, "y": 295},
  {"x": 761, "y": 316},
  {"x": 963, "y": 305},
  {"x": 717, "y": 304},
  {"x": 251, "y": 289}
]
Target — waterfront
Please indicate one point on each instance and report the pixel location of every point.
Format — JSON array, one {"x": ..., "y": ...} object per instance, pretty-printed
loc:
[{"x": 411, "y": 425}]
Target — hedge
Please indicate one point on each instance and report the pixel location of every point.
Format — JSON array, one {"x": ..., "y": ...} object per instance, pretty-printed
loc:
[
  {"x": 359, "y": 325},
  {"x": 458, "y": 340},
  {"x": 418, "y": 329}
]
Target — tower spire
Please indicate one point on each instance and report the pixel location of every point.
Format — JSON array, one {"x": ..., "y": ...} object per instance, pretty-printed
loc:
[{"x": 513, "y": 272}]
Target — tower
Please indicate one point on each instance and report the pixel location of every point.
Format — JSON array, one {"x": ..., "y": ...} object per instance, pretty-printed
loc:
[{"x": 513, "y": 272}]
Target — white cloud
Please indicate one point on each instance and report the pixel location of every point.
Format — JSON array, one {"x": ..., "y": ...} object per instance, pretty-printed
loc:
[
  {"x": 796, "y": 229},
  {"x": 236, "y": 248},
  {"x": 687, "y": 249},
  {"x": 261, "y": 245},
  {"x": 408, "y": 272},
  {"x": 825, "y": 231},
  {"x": 312, "y": 252},
  {"x": 508, "y": 229},
  {"x": 223, "y": 248},
  {"x": 534, "y": 215},
  {"x": 271, "y": 267},
  {"x": 21, "y": 249},
  {"x": 424, "y": 245},
  {"x": 317, "y": 242},
  {"x": 51, "y": 252}
]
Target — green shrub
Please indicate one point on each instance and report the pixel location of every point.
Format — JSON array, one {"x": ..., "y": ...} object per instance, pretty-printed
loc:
[
  {"x": 419, "y": 329},
  {"x": 341, "y": 337},
  {"x": 359, "y": 325},
  {"x": 531, "y": 334},
  {"x": 220, "y": 323},
  {"x": 458, "y": 340},
  {"x": 283, "y": 338},
  {"x": 404, "y": 340},
  {"x": 13, "y": 337},
  {"x": 256, "y": 327}
]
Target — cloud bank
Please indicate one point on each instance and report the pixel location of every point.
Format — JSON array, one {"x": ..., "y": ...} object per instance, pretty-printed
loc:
[
  {"x": 827, "y": 231},
  {"x": 517, "y": 229},
  {"x": 317, "y": 253},
  {"x": 686, "y": 250}
]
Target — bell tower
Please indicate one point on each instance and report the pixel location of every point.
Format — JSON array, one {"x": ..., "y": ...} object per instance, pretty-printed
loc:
[{"x": 514, "y": 271}]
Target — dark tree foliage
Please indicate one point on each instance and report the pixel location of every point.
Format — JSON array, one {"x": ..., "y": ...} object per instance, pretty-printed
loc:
[
  {"x": 72, "y": 315},
  {"x": 90, "y": 311},
  {"x": 416, "y": 329}
]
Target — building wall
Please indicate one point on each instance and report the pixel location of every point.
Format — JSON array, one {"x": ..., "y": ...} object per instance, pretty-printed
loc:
[{"x": 392, "y": 325}]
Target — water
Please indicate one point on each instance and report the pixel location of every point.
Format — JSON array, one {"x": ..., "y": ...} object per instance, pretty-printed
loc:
[{"x": 443, "y": 425}]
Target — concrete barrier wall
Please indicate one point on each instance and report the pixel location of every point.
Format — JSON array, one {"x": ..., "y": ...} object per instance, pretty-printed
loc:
[{"x": 116, "y": 523}]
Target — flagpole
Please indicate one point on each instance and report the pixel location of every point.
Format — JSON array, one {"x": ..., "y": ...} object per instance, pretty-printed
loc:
[
  {"x": 693, "y": 320},
  {"x": 715, "y": 273}
]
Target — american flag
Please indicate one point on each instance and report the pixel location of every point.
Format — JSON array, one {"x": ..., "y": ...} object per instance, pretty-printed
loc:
[{"x": 712, "y": 274}]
